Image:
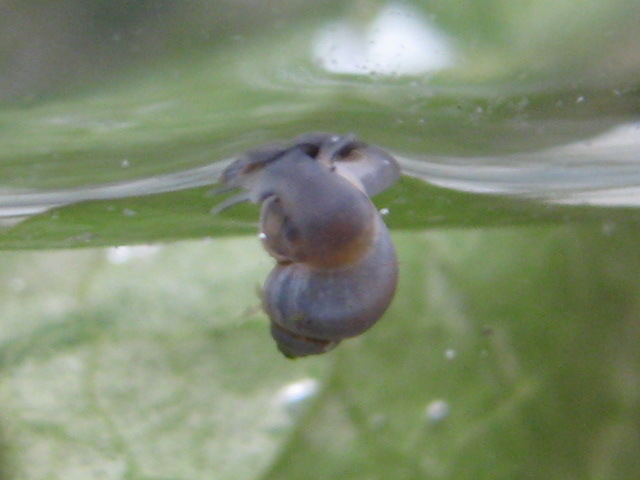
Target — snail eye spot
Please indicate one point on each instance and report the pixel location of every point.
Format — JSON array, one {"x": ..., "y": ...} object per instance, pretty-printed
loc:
[
  {"x": 310, "y": 149},
  {"x": 292, "y": 234}
]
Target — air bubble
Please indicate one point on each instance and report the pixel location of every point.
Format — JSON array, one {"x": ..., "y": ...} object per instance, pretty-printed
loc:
[
  {"x": 124, "y": 254},
  {"x": 450, "y": 354},
  {"x": 437, "y": 411},
  {"x": 293, "y": 396}
]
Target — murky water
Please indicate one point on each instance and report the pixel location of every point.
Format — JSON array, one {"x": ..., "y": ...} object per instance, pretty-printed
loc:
[{"x": 506, "y": 353}]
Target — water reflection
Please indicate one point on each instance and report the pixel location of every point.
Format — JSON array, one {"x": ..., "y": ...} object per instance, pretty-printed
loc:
[
  {"x": 398, "y": 42},
  {"x": 603, "y": 171},
  {"x": 17, "y": 205}
]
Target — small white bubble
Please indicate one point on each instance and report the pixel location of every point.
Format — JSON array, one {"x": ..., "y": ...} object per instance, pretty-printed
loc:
[
  {"x": 262, "y": 236},
  {"x": 437, "y": 411},
  {"x": 125, "y": 163},
  {"x": 294, "y": 395},
  {"x": 290, "y": 401},
  {"x": 450, "y": 354},
  {"x": 119, "y": 255},
  {"x": 580, "y": 99},
  {"x": 384, "y": 211}
]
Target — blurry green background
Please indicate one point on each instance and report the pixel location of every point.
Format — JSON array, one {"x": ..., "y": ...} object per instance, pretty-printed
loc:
[{"x": 512, "y": 348}]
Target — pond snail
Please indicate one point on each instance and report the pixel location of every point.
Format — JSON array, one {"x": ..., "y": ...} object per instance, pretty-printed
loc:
[{"x": 336, "y": 270}]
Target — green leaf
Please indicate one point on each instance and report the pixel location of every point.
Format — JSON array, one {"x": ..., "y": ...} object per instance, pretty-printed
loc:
[{"x": 509, "y": 353}]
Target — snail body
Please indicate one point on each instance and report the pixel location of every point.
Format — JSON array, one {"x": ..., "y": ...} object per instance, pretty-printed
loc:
[{"x": 337, "y": 270}]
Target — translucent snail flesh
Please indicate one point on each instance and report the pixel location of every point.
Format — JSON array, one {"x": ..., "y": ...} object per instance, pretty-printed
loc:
[{"x": 336, "y": 271}]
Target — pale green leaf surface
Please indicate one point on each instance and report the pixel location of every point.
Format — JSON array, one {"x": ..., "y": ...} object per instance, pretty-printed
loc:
[{"x": 116, "y": 371}]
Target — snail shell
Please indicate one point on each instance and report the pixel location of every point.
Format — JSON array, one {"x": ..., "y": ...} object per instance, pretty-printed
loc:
[{"x": 337, "y": 270}]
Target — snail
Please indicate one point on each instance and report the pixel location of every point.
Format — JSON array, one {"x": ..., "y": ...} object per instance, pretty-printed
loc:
[{"x": 336, "y": 270}]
